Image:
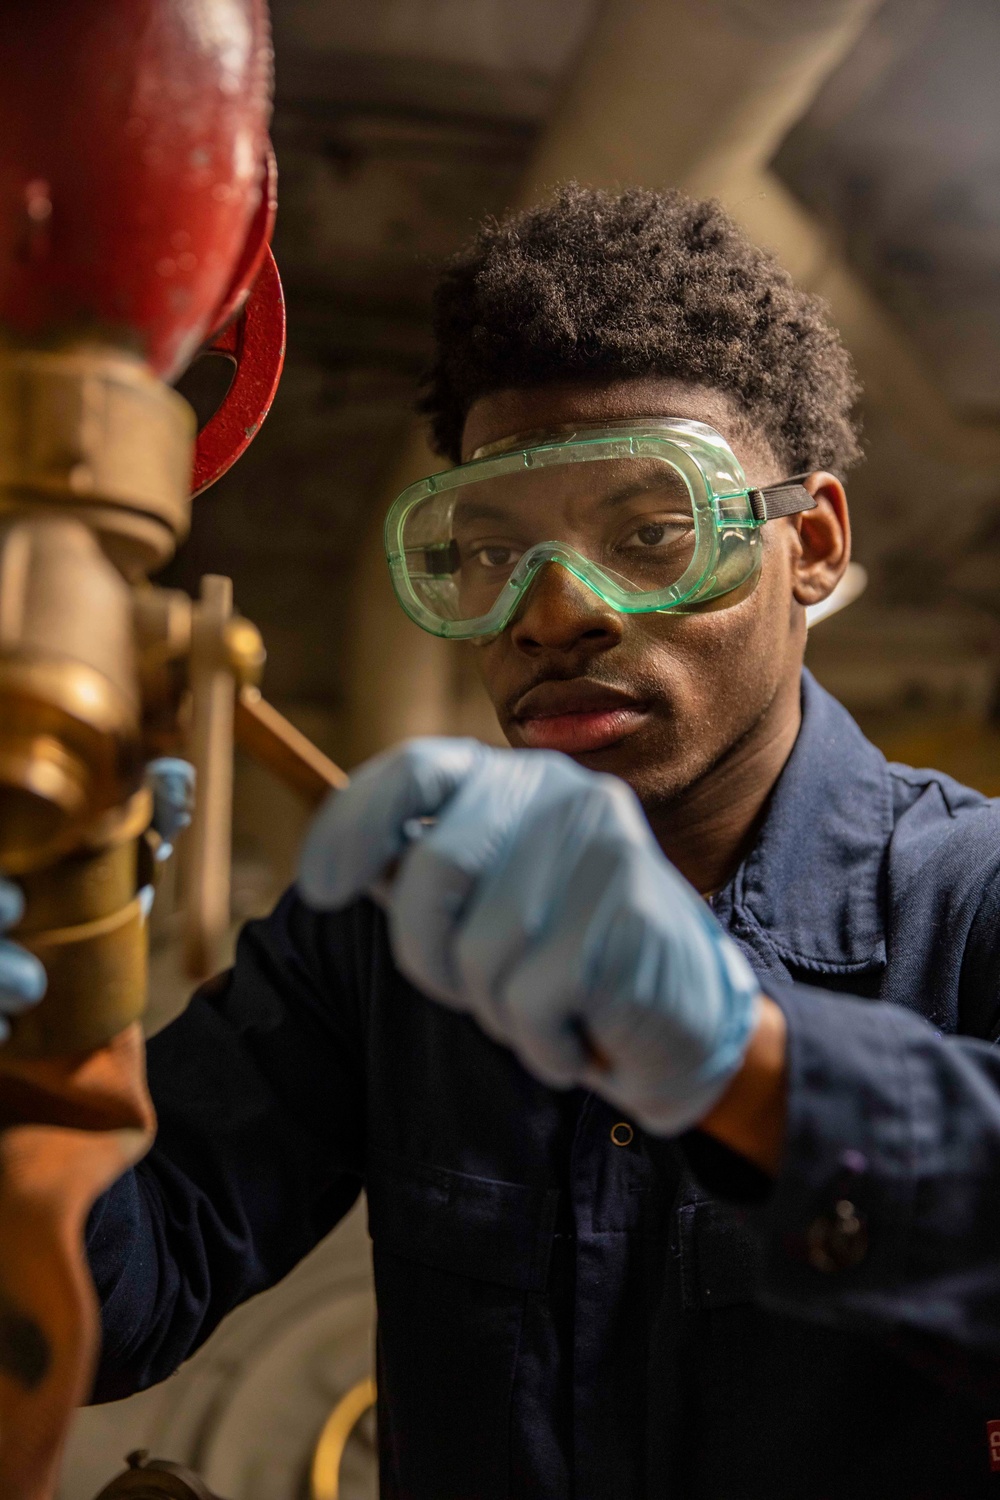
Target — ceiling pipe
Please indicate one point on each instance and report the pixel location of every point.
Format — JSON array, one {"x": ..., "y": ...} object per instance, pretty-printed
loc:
[{"x": 690, "y": 94}]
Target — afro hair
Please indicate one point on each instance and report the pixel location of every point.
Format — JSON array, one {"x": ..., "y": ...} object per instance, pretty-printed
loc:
[{"x": 601, "y": 286}]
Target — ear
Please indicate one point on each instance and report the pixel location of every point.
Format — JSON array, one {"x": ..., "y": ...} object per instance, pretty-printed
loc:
[{"x": 824, "y": 540}]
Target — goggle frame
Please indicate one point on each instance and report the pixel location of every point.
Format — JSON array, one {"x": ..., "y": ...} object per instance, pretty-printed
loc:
[{"x": 728, "y": 516}]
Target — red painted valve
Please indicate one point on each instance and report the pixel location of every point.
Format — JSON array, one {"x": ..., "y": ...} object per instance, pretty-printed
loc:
[
  {"x": 134, "y": 134},
  {"x": 250, "y": 332},
  {"x": 255, "y": 342}
]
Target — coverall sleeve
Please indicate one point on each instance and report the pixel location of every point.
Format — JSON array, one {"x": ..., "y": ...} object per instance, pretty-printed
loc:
[
  {"x": 258, "y": 1088},
  {"x": 884, "y": 1218}
]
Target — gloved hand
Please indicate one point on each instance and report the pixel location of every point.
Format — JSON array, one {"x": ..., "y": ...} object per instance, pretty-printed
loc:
[{"x": 539, "y": 902}]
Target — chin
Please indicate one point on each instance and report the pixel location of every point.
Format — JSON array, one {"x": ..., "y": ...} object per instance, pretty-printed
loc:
[
  {"x": 650, "y": 761},
  {"x": 656, "y": 776}
]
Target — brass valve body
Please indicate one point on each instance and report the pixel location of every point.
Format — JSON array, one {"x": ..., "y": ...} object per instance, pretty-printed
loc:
[
  {"x": 95, "y": 470},
  {"x": 69, "y": 726},
  {"x": 84, "y": 921},
  {"x": 95, "y": 465},
  {"x": 89, "y": 431}
]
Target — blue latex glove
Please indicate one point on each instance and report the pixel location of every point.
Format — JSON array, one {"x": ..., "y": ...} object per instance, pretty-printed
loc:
[
  {"x": 172, "y": 782},
  {"x": 540, "y": 903},
  {"x": 22, "y": 977}
]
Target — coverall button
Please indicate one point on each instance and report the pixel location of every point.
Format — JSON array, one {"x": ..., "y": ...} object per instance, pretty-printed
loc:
[
  {"x": 837, "y": 1241},
  {"x": 622, "y": 1134}
]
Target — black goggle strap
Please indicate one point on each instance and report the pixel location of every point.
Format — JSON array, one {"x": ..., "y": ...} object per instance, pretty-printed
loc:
[
  {"x": 439, "y": 560},
  {"x": 786, "y": 498}
]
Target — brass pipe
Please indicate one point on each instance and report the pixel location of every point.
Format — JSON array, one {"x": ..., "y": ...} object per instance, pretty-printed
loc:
[
  {"x": 83, "y": 920},
  {"x": 213, "y": 692},
  {"x": 269, "y": 737}
]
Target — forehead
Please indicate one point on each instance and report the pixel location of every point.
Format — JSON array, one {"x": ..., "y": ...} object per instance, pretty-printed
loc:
[{"x": 501, "y": 413}]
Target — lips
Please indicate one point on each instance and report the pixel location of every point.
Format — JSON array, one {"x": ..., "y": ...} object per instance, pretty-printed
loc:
[{"x": 577, "y": 717}]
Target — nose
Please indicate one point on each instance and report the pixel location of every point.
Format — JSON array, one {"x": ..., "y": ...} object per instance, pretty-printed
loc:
[{"x": 561, "y": 614}]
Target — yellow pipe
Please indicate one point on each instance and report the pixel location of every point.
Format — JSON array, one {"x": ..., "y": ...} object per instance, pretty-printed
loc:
[{"x": 324, "y": 1479}]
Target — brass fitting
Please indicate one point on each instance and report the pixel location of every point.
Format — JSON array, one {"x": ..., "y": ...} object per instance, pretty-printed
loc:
[
  {"x": 93, "y": 432},
  {"x": 95, "y": 471},
  {"x": 84, "y": 921},
  {"x": 69, "y": 703},
  {"x": 245, "y": 654}
]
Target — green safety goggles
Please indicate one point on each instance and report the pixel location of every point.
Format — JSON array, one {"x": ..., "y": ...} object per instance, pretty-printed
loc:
[{"x": 651, "y": 515}]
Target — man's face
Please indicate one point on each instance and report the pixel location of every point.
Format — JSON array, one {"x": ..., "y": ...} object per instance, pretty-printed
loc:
[{"x": 657, "y": 699}]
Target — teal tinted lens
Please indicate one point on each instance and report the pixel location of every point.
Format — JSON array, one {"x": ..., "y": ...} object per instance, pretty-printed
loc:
[{"x": 633, "y": 517}]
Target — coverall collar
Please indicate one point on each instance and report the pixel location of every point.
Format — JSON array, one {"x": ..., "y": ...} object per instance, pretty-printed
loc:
[{"x": 811, "y": 890}]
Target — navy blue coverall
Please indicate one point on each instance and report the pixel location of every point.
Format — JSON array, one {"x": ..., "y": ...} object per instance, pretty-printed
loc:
[{"x": 571, "y": 1308}]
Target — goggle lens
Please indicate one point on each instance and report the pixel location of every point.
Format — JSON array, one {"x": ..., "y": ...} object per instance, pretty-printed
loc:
[{"x": 631, "y": 516}]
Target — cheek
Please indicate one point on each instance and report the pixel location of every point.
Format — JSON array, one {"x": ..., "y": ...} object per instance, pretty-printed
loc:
[
  {"x": 710, "y": 673},
  {"x": 721, "y": 667},
  {"x": 494, "y": 663}
]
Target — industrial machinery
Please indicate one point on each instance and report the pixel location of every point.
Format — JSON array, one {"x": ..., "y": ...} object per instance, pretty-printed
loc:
[{"x": 136, "y": 205}]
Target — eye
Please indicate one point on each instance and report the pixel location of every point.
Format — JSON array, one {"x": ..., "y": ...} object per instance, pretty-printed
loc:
[
  {"x": 658, "y": 533},
  {"x": 495, "y": 556}
]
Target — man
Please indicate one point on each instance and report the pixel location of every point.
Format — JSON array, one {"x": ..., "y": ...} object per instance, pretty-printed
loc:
[{"x": 679, "y": 1180}]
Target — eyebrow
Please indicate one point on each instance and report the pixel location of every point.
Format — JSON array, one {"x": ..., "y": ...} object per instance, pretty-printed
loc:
[
  {"x": 478, "y": 511},
  {"x": 468, "y": 513},
  {"x": 627, "y": 491}
]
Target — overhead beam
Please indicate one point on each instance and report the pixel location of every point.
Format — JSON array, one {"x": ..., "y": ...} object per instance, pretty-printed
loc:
[{"x": 682, "y": 93}]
